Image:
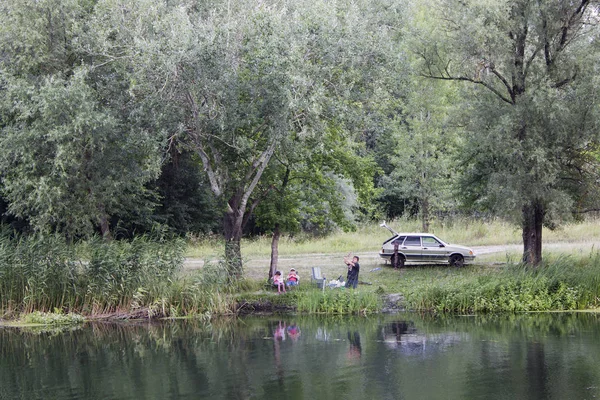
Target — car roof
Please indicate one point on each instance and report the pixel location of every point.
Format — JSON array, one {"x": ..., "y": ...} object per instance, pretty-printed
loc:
[{"x": 416, "y": 234}]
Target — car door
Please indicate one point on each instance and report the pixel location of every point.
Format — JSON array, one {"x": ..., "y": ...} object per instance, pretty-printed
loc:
[
  {"x": 398, "y": 240},
  {"x": 412, "y": 248},
  {"x": 433, "y": 250}
]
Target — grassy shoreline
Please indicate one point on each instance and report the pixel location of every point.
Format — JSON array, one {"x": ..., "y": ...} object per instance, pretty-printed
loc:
[{"x": 143, "y": 279}]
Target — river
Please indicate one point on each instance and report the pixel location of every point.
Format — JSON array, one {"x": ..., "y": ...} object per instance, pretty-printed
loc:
[{"x": 403, "y": 356}]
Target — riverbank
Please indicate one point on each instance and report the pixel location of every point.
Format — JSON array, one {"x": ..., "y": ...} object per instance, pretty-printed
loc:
[
  {"x": 144, "y": 279},
  {"x": 562, "y": 284}
]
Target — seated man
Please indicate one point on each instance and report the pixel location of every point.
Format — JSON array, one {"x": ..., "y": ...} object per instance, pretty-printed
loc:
[{"x": 293, "y": 279}]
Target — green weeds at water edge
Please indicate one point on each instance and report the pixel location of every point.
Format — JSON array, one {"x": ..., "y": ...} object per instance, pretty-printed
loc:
[
  {"x": 338, "y": 301},
  {"x": 55, "y": 318},
  {"x": 562, "y": 284}
]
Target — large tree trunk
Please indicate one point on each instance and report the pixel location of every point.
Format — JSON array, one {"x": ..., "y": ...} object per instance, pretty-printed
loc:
[
  {"x": 232, "y": 225},
  {"x": 533, "y": 220},
  {"x": 274, "y": 251}
]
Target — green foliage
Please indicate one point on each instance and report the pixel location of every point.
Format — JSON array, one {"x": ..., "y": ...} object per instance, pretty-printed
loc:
[
  {"x": 337, "y": 301},
  {"x": 54, "y": 318},
  {"x": 79, "y": 167},
  {"x": 185, "y": 205},
  {"x": 46, "y": 273},
  {"x": 424, "y": 171},
  {"x": 560, "y": 285},
  {"x": 74, "y": 152}
]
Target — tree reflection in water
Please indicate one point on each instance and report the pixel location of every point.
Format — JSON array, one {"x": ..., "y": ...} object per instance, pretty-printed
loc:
[{"x": 539, "y": 356}]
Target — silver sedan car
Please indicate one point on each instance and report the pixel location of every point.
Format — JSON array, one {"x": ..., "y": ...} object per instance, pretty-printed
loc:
[{"x": 424, "y": 248}]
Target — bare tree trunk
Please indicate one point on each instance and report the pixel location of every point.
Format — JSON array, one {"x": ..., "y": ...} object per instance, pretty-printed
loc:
[
  {"x": 425, "y": 214},
  {"x": 274, "y": 251},
  {"x": 277, "y": 230},
  {"x": 234, "y": 220},
  {"x": 104, "y": 224},
  {"x": 104, "y": 228},
  {"x": 233, "y": 253},
  {"x": 533, "y": 220}
]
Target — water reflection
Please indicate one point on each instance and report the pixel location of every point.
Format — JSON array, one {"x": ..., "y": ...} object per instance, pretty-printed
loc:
[
  {"x": 542, "y": 356},
  {"x": 403, "y": 336},
  {"x": 354, "y": 351}
]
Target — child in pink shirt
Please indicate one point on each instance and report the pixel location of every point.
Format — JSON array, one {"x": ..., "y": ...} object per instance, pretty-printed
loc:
[{"x": 278, "y": 281}]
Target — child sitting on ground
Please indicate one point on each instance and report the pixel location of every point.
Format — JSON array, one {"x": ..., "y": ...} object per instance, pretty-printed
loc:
[{"x": 278, "y": 281}]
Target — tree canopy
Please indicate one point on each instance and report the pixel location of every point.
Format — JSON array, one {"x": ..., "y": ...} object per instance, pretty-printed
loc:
[
  {"x": 530, "y": 113},
  {"x": 296, "y": 115}
]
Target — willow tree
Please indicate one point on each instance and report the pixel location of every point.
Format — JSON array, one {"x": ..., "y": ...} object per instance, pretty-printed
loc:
[
  {"x": 216, "y": 77},
  {"x": 530, "y": 104},
  {"x": 317, "y": 186},
  {"x": 322, "y": 174},
  {"x": 72, "y": 156},
  {"x": 231, "y": 81}
]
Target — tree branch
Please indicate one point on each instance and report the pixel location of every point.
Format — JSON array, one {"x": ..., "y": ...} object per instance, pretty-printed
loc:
[
  {"x": 213, "y": 178},
  {"x": 464, "y": 78},
  {"x": 586, "y": 210},
  {"x": 255, "y": 204},
  {"x": 261, "y": 163}
]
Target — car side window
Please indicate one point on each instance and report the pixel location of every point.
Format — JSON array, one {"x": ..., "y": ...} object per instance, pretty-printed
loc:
[
  {"x": 399, "y": 240},
  {"x": 430, "y": 242},
  {"x": 412, "y": 241}
]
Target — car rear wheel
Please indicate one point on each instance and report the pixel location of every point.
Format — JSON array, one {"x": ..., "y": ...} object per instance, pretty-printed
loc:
[
  {"x": 401, "y": 261},
  {"x": 456, "y": 260}
]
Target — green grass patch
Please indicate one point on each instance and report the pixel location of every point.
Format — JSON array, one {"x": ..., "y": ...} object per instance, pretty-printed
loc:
[
  {"x": 564, "y": 283},
  {"x": 338, "y": 301},
  {"x": 143, "y": 276},
  {"x": 307, "y": 298}
]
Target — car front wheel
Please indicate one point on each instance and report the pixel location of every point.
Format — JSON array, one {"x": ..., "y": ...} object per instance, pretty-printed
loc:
[{"x": 456, "y": 260}]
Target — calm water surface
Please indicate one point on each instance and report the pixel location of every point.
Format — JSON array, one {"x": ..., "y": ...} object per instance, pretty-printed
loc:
[{"x": 406, "y": 356}]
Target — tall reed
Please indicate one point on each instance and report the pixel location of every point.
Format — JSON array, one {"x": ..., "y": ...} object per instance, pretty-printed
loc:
[{"x": 45, "y": 273}]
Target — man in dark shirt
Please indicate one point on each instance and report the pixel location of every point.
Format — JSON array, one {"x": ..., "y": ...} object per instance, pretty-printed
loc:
[{"x": 353, "y": 268}]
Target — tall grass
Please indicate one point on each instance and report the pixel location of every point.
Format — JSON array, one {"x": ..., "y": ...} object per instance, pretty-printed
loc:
[
  {"x": 44, "y": 273},
  {"x": 561, "y": 284},
  {"x": 337, "y": 301}
]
